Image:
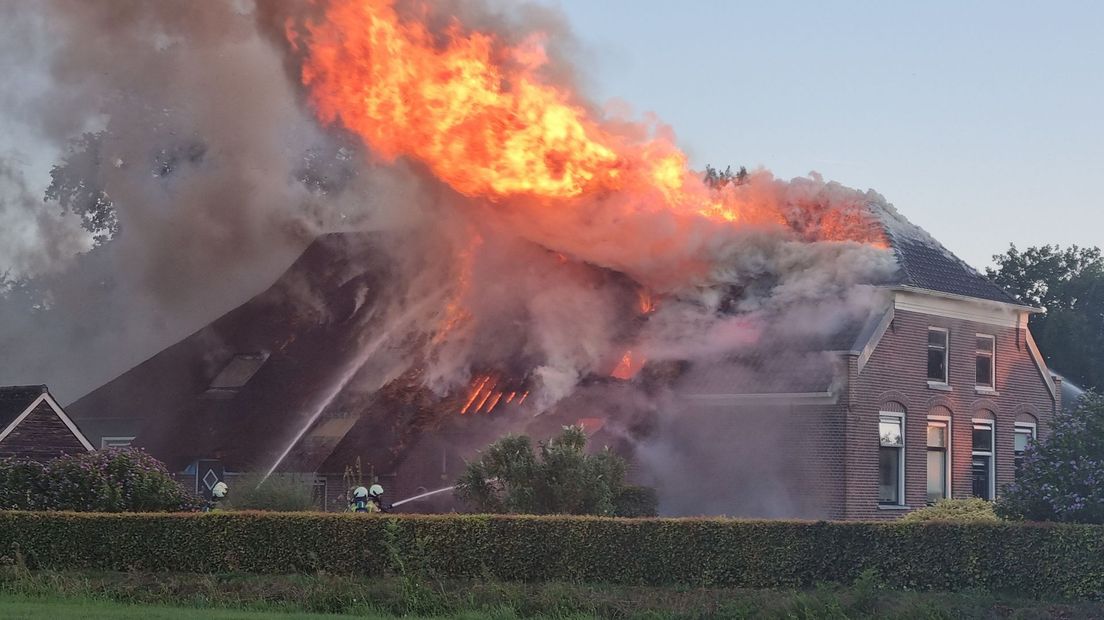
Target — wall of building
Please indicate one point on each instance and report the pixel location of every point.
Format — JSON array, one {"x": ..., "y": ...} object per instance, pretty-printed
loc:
[{"x": 896, "y": 378}]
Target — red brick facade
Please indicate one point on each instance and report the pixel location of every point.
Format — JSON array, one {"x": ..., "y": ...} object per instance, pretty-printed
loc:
[{"x": 895, "y": 379}]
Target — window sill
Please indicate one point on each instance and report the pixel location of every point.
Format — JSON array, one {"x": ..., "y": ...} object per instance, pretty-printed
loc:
[
  {"x": 939, "y": 385},
  {"x": 986, "y": 391},
  {"x": 893, "y": 507}
]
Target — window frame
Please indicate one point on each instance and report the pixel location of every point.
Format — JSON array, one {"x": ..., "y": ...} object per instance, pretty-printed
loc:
[
  {"x": 945, "y": 421},
  {"x": 992, "y": 385},
  {"x": 991, "y": 453},
  {"x": 104, "y": 442},
  {"x": 898, "y": 417},
  {"x": 1033, "y": 430},
  {"x": 946, "y": 380}
]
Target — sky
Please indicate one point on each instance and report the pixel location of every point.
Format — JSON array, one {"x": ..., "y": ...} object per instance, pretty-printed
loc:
[{"x": 980, "y": 121}]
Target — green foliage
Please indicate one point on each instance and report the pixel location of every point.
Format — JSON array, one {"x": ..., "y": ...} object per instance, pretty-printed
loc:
[
  {"x": 74, "y": 185},
  {"x": 105, "y": 481},
  {"x": 1030, "y": 559},
  {"x": 561, "y": 478},
  {"x": 1069, "y": 283},
  {"x": 1063, "y": 478},
  {"x": 955, "y": 510},
  {"x": 636, "y": 501},
  {"x": 279, "y": 492}
]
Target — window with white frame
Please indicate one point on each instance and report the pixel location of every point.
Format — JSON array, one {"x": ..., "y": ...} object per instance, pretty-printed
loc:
[
  {"x": 115, "y": 442},
  {"x": 1025, "y": 435},
  {"x": 938, "y": 440},
  {"x": 982, "y": 460},
  {"x": 891, "y": 459},
  {"x": 937, "y": 354},
  {"x": 986, "y": 361}
]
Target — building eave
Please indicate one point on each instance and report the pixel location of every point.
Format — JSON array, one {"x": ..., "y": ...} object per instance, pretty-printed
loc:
[
  {"x": 992, "y": 303},
  {"x": 795, "y": 398}
]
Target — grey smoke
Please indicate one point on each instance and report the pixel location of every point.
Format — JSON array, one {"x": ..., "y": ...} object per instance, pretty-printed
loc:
[{"x": 220, "y": 176}]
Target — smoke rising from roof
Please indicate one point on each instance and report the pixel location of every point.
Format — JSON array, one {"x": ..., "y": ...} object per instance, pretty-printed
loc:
[{"x": 220, "y": 174}]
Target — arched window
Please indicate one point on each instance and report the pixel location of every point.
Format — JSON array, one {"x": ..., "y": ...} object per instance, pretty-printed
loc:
[
  {"x": 891, "y": 454},
  {"x": 939, "y": 451},
  {"x": 982, "y": 450},
  {"x": 1027, "y": 428}
]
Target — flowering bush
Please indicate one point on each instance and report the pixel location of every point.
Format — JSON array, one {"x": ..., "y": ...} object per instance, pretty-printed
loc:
[
  {"x": 1063, "y": 478},
  {"x": 112, "y": 480}
]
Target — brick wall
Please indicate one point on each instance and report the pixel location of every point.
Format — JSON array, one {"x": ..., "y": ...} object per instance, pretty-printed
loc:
[
  {"x": 896, "y": 375},
  {"x": 40, "y": 436}
]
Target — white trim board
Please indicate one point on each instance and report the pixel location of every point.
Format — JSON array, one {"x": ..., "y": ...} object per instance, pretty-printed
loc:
[
  {"x": 45, "y": 396},
  {"x": 964, "y": 308},
  {"x": 796, "y": 398}
]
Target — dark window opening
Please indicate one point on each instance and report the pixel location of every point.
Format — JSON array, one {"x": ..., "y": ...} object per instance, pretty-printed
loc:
[
  {"x": 937, "y": 355},
  {"x": 986, "y": 346}
]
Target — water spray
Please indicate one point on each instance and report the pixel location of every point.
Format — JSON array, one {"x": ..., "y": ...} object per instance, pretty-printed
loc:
[{"x": 426, "y": 494}]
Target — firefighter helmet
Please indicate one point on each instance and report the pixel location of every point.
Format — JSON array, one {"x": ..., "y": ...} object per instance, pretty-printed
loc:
[
  {"x": 220, "y": 490},
  {"x": 376, "y": 490},
  {"x": 360, "y": 493}
]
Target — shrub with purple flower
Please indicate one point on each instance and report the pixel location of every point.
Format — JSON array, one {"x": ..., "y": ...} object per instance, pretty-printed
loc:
[
  {"x": 1063, "y": 478},
  {"x": 111, "y": 480}
]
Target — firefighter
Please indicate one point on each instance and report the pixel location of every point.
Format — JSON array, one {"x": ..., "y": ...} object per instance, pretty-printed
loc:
[
  {"x": 376, "y": 499},
  {"x": 218, "y": 493},
  {"x": 360, "y": 500}
]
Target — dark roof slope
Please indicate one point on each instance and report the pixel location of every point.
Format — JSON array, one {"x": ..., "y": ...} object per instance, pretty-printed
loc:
[
  {"x": 298, "y": 335},
  {"x": 15, "y": 399},
  {"x": 926, "y": 264}
]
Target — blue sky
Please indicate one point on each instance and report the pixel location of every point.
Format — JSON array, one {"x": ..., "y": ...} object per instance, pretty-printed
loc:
[{"x": 981, "y": 121}]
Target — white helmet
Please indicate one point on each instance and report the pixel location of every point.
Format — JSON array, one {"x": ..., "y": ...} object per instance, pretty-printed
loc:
[
  {"x": 219, "y": 490},
  {"x": 376, "y": 490},
  {"x": 360, "y": 493}
]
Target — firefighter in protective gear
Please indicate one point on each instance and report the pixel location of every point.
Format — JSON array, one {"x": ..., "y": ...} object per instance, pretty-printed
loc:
[
  {"x": 218, "y": 493},
  {"x": 376, "y": 499},
  {"x": 359, "y": 502}
]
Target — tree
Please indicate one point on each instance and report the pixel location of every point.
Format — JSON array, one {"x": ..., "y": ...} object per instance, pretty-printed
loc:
[
  {"x": 1069, "y": 284},
  {"x": 719, "y": 178},
  {"x": 1063, "y": 478},
  {"x": 74, "y": 187},
  {"x": 559, "y": 478}
]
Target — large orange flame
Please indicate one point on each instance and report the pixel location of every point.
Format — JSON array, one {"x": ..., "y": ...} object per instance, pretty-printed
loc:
[{"x": 477, "y": 112}]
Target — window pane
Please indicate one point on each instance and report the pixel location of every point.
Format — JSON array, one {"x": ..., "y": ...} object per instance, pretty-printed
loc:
[
  {"x": 889, "y": 475},
  {"x": 980, "y": 467},
  {"x": 984, "y": 370},
  {"x": 937, "y": 338},
  {"x": 937, "y": 365},
  {"x": 889, "y": 431},
  {"x": 985, "y": 345},
  {"x": 937, "y": 475},
  {"x": 983, "y": 439},
  {"x": 1021, "y": 439},
  {"x": 937, "y": 436}
]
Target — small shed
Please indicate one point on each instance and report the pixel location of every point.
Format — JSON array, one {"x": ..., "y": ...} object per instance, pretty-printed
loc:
[{"x": 33, "y": 425}]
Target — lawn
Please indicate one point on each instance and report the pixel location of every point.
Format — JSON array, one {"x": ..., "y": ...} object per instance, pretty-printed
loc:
[
  {"x": 52, "y": 595},
  {"x": 25, "y": 608}
]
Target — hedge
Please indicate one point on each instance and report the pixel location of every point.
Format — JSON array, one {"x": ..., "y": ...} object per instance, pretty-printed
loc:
[{"x": 1046, "y": 560}]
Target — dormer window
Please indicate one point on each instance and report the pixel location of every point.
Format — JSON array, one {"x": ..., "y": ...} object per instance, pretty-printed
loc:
[
  {"x": 937, "y": 355},
  {"x": 237, "y": 372},
  {"x": 986, "y": 361}
]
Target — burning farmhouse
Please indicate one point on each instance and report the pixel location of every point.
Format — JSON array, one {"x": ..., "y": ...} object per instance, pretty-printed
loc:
[{"x": 754, "y": 346}]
